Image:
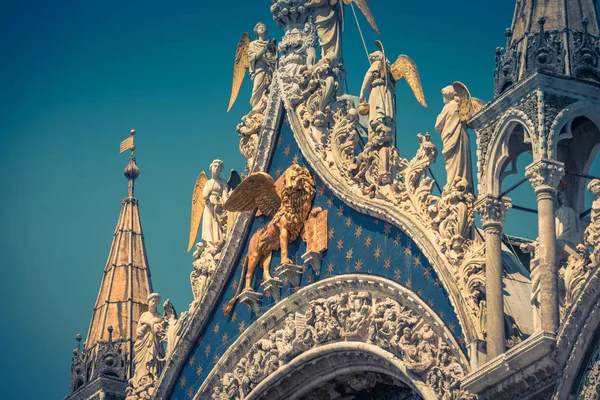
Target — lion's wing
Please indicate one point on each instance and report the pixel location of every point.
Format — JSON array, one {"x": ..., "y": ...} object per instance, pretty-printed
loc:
[{"x": 256, "y": 191}]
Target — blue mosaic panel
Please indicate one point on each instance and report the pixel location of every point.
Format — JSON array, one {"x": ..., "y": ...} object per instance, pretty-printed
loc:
[{"x": 357, "y": 244}]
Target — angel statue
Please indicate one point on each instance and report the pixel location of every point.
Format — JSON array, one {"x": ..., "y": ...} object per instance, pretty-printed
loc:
[
  {"x": 259, "y": 57},
  {"x": 451, "y": 124},
  {"x": 207, "y": 200},
  {"x": 380, "y": 80},
  {"x": 328, "y": 18}
]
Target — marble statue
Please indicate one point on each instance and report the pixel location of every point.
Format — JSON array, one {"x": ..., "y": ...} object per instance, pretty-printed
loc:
[{"x": 148, "y": 352}]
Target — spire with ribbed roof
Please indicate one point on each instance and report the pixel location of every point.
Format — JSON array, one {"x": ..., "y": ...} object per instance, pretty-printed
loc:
[
  {"x": 126, "y": 282},
  {"x": 558, "y": 37}
]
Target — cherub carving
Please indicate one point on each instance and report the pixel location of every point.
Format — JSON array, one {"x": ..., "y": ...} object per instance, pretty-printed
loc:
[{"x": 289, "y": 202}]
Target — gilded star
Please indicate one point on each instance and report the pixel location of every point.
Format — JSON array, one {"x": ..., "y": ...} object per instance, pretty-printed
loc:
[
  {"x": 330, "y": 233},
  {"x": 295, "y": 159},
  {"x": 461, "y": 341},
  {"x": 427, "y": 273},
  {"x": 190, "y": 392},
  {"x": 442, "y": 315},
  {"x": 358, "y": 265},
  {"x": 224, "y": 338},
  {"x": 340, "y": 211},
  {"x": 340, "y": 244},
  {"x": 452, "y": 327},
  {"x": 397, "y": 274},
  {"x": 278, "y": 172},
  {"x": 207, "y": 350},
  {"x": 408, "y": 283},
  {"x": 286, "y": 150},
  {"x": 387, "y": 263},
  {"x": 407, "y": 251},
  {"x": 387, "y": 229},
  {"x": 191, "y": 361},
  {"x": 377, "y": 253},
  {"x": 216, "y": 359},
  {"x": 437, "y": 283},
  {"x": 311, "y": 279},
  {"x": 348, "y": 222},
  {"x": 233, "y": 316},
  {"x": 279, "y": 142},
  {"x": 216, "y": 328},
  {"x": 199, "y": 370},
  {"x": 368, "y": 242},
  {"x": 375, "y": 221},
  {"x": 322, "y": 190},
  {"x": 420, "y": 292},
  {"x": 242, "y": 326},
  {"x": 183, "y": 382},
  {"x": 349, "y": 254},
  {"x": 397, "y": 240},
  {"x": 417, "y": 261},
  {"x": 358, "y": 232},
  {"x": 329, "y": 202},
  {"x": 234, "y": 284},
  {"x": 224, "y": 309},
  {"x": 430, "y": 302},
  {"x": 330, "y": 267}
]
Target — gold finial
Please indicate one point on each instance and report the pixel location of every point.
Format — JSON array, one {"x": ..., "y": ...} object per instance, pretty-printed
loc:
[{"x": 127, "y": 144}]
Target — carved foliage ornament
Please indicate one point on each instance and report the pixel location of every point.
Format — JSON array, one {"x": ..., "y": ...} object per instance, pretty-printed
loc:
[
  {"x": 493, "y": 212},
  {"x": 545, "y": 174},
  {"x": 350, "y": 316}
]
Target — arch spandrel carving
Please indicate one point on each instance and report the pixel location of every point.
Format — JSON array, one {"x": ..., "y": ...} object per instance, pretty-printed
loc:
[{"x": 369, "y": 314}]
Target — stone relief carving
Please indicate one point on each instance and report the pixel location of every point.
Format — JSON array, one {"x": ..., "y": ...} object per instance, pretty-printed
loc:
[
  {"x": 350, "y": 316},
  {"x": 154, "y": 330}
]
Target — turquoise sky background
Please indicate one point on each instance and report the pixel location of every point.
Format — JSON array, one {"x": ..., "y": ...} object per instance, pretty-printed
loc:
[{"x": 76, "y": 76}]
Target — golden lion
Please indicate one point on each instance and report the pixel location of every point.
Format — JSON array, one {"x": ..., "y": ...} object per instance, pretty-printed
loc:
[{"x": 288, "y": 201}]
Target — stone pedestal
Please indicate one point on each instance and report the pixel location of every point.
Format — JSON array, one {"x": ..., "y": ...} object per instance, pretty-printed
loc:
[
  {"x": 545, "y": 176},
  {"x": 272, "y": 288},
  {"x": 292, "y": 272},
  {"x": 314, "y": 259},
  {"x": 493, "y": 212},
  {"x": 252, "y": 299}
]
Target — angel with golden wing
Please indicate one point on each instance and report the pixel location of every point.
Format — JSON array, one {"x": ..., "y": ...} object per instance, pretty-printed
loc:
[
  {"x": 459, "y": 106},
  {"x": 207, "y": 201},
  {"x": 380, "y": 81},
  {"x": 328, "y": 19},
  {"x": 257, "y": 56}
]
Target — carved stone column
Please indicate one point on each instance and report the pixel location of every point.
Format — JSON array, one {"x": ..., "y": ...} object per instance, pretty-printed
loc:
[
  {"x": 545, "y": 176},
  {"x": 493, "y": 212}
]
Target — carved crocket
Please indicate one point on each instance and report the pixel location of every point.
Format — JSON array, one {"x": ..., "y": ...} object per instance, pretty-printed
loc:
[{"x": 289, "y": 202}]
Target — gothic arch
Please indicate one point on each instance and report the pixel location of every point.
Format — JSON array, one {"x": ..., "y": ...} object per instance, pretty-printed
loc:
[
  {"x": 499, "y": 152},
  {"x": 383, "y": 325},
  {"x": 580, "y": 108}
]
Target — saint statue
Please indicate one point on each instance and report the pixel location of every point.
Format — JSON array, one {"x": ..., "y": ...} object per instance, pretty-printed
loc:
[
  {"x": 456, "y": 151},
  {"x": 214, "y": 194},
  {"x": 148, "y": 353}
]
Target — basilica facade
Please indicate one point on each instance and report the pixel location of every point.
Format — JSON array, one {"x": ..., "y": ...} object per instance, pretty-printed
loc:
[{"x": 335, "y": 268}]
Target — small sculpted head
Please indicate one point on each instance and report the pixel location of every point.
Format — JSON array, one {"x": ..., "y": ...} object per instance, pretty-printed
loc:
[
  {"x": 261, "y": 30},
  {"x": 448, "y": 94},
  {"x": 153, "y": 300},
  {"x": 216, "y": 167},
  {"x": 376, "y": 56}
]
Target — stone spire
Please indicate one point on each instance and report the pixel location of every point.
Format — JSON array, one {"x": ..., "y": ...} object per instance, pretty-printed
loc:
[{"x": 553, "y": 36}]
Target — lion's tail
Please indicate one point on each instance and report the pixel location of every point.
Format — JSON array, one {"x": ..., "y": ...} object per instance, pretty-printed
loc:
[{"x": 231, "y": 302}]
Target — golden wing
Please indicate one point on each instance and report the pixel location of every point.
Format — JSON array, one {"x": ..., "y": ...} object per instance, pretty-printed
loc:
[
  {"x": 240, "y": 65},
  {"x": 364, "y": 8},
  {"x": 197, "y": 208},
  {"x": 467, "y": 105},
  {"x": 256, "y": 191},
  {"x": 405, "y": 67}
]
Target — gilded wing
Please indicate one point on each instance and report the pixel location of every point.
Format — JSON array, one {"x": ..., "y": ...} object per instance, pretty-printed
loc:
[
  {"x": 405, "y": 67},
  {"x": 256, "y": 191},
  {"x": 467, "y": 105},
  {"x": 364, "y": 8},
  {"x": 240, "y": 65},
  {"x": 197, "y": 208}
]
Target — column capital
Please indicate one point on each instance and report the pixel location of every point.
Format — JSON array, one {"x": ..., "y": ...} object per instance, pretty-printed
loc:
[
  {"x": 493, "y": 212},
  {"x": 545, "y": 175}
]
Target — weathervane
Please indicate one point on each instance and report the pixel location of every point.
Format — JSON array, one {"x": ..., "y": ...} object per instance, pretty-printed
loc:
[{"x": 127, "y": 144}]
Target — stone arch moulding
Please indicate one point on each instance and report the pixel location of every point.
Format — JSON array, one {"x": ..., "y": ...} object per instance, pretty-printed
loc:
[
  {"x": 371, "y": 317},
  {"x": 581, "y": 108},
  {"x": 498, "y": 148},
  {"x": 381, "y": 209}
]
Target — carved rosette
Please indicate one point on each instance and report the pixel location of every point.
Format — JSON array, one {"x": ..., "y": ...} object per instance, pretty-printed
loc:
[
  {"x": 493, "y": 213},
  {"x": 545, "y": 175},
  {"x": 350, "y": 316}
]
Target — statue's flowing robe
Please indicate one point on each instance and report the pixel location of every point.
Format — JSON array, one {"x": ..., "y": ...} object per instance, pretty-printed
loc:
[
  {"x": 456, "y": 151},
  {"x": 147, "y": 350},
  {"x": 327, "y": 19},
  {"x": 382, "y": 111},
  {"x": 259, "y": 68},
  {"x": 214, "y": 193}
]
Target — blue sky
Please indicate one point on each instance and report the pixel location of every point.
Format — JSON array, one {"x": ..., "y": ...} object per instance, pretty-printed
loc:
[{"x": 76, "y": 76}]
